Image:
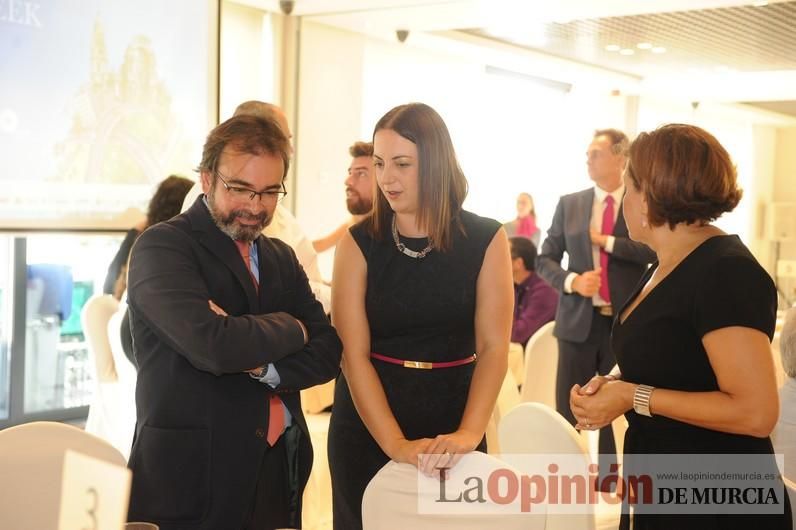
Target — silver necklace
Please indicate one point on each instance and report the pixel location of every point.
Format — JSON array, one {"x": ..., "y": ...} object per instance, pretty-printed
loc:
[{"x": 402, "y": 248}]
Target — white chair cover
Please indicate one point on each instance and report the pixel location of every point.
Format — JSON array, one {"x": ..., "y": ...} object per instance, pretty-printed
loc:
[
  {"x": 535, "y": 428},
  {"x": 316, "y": 511},
  {"x": 31, "y": 466},
  {"x": 391, "y": 501},
  {"x": 507, "y": 399},
  {"x": 541, "y": 367},
  {"x": 121, "y": 424},
  {"x": 94, "y": 318},
  {"x": 517, "y": 362}
]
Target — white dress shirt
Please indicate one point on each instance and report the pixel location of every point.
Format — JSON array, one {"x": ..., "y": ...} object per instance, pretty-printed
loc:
[{"x": 597, "y": 209}]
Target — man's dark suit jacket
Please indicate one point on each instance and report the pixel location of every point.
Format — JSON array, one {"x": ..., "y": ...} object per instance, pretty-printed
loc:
[
  {"x": 570, "y": 233},
  {"x": 202, "y": 420}
]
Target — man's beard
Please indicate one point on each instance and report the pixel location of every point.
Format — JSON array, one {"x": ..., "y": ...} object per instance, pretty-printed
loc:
[
  {"x": 238, "y": 232},
  {"x": 357, "y": 205}
]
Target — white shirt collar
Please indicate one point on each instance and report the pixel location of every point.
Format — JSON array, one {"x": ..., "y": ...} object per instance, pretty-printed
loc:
[{"x": 600, "y": 194}]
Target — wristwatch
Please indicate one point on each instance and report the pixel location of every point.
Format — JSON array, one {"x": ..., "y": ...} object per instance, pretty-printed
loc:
[{"x": 641, "y": 400}]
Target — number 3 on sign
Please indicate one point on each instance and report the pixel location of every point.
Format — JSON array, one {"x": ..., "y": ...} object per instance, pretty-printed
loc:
[
  {"x": 86, "y": 480},
  {"x": 91, "y": 511}
]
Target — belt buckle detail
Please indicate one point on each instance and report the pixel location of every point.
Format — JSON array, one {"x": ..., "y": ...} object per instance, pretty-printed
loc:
[{"x": 418, "y": 364}]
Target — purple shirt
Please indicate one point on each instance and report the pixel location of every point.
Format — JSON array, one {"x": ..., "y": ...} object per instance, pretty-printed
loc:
[{"x": 535, "y": 304}]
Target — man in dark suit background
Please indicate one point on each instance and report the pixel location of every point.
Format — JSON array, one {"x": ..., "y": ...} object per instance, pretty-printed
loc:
[
  {"x": 604, "y": 267},
  {"x": 226, "y": 332}
]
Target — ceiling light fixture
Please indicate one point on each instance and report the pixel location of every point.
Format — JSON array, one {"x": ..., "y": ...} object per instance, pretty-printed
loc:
[
  {"x": 760, "y": 4},
  {"x": 658, "y": 49},
  {"x": 644, "y": 46},
  {"x": 626, "y": 51},
  {"x": 613, "y": 48}
]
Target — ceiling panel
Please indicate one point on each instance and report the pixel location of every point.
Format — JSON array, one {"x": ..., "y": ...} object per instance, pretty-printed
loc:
[
  {"x": 782, "y": 107},
  {"x": 742, "y": 38}
]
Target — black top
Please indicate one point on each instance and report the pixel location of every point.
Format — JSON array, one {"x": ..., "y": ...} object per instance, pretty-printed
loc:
[
  {"x": 119, "y": 260},
  {"x": 423, "y": 309},
  {"x": 718, "y": 285}
]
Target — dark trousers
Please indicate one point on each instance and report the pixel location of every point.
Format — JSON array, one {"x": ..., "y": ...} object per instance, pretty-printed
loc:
[
  {"x": 578, "y": 362},
  {"x": 275, "y": 503}
]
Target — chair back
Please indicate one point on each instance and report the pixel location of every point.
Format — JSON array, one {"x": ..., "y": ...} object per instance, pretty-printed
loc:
[
  {"x": 118, "y": 413},
  {"x": 391, "y": 500},
  {"x": 535, "y": 428},
  {"x": 31, "y": 467},
  {"x": 507, "y": 399},
  {"x": 125, "y": 370},
  {"x": 94, "y": 318},
  {"x": 541, "y": 367}
]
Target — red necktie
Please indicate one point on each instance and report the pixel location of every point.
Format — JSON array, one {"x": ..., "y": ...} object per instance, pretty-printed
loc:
[
  {"x": 276, "y": 416},
  {"x": 607, "y": 229}
]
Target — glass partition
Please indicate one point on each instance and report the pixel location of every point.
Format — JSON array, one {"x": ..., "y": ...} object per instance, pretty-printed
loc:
[
  {"x": 6, "y": 298},
  {"x": 62, "y": 272}
]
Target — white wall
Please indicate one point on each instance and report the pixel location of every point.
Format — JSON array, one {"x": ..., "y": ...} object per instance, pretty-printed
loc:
[
  {"x": 510, "y": 135},
  {"x": 250, "y": 57},
  {"x": 329, "y": 121}
]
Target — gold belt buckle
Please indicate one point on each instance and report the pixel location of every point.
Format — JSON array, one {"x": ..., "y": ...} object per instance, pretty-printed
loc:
[
  {"x": 418, "y": 364},
  {"x": 606, "y": 310}
]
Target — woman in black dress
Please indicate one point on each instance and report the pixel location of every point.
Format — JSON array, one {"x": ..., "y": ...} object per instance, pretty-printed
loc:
[
  {"x": 420, "y": 288},
  {"x": 695, "y": 373}
]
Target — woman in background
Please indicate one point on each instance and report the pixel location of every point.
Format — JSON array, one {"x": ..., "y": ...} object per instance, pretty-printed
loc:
[
  {"x": 421, "y": 287},
  {"x": 525, "y": 223},
  {"x": 164, "y": 204}
]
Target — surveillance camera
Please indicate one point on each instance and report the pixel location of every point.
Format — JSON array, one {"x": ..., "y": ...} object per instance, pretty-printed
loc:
[
  {"x": 287, "y": 6},
  {"x": 402, "y": 34}
]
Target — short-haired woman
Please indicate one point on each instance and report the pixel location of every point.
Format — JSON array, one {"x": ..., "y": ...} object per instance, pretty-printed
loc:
[{"x": 695, "y": 372}]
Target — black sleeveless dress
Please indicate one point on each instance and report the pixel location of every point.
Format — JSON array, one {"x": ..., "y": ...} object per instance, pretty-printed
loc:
[
  {"x": 718, "y": 285},
  {"x": 420, "y": 310}
]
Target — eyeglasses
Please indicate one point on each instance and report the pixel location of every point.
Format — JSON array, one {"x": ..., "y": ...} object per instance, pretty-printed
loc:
[{"x": 238, "y": 193}]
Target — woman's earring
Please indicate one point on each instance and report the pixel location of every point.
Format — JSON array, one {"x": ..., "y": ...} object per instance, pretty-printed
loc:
[{"x": 643, "y": 223}]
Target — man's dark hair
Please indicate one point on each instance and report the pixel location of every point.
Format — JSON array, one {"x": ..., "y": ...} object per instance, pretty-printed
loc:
[
  {"x": 361, "y": 149},
  {"x": 248, "y": 134},
  {"x": 619, "y": 140},
  {"x": 522, "y": 247}
]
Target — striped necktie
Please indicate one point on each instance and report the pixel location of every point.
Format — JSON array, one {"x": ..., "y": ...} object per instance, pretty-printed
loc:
[{"x": 276, "y": 415}]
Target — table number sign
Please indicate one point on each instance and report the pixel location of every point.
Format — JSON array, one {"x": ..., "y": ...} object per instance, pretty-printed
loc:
[{"x": 94, "y": 494}]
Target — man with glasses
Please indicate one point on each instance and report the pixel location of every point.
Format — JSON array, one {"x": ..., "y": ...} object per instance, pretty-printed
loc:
[
  {"x": 226, "y": 332},
  {"x": 283, "y": 225},
  {"x": 604, "y": 265}
]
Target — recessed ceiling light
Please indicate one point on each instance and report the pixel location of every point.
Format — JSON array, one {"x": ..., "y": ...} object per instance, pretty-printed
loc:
[
  {"x": 760, "y": 4},
  {"x": 613, "y": 48},
  {"x": 723, "y": 69},
  {"x": 658, "y": 49},
  {"x": 626, "y": 51},
  {"x": 644, "y": 46}
]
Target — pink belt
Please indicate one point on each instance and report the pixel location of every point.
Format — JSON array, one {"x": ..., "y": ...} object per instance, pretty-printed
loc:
[{"x": 422, "y": 364}]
